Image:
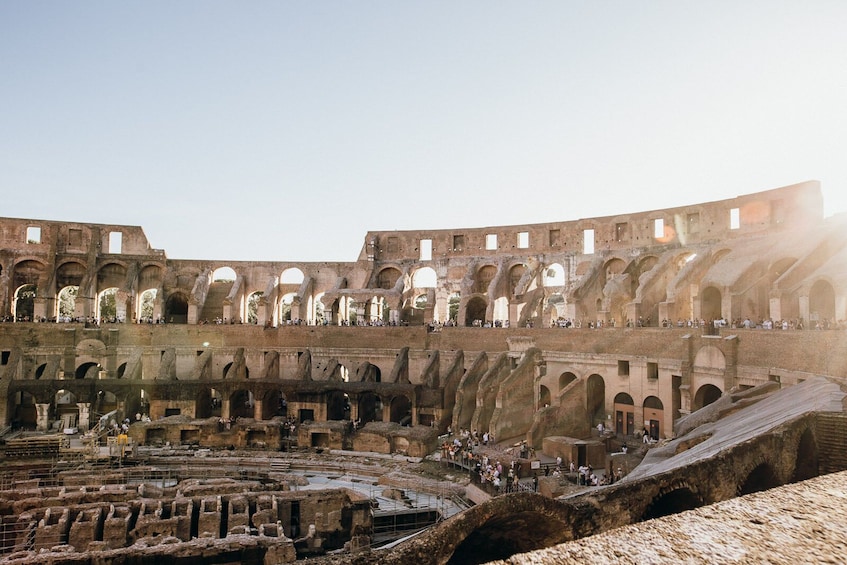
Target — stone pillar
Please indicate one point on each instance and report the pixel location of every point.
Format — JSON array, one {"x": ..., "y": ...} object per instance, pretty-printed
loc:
[
  {"x": 43, "y": 417},
  {"x": 225, "y": 411},
  {"x": 84, "y": 421},
  {"x": 257, "y": 409}
]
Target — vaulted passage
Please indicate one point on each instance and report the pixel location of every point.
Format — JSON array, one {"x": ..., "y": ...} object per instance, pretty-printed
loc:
[
  {"x": 761, "y": 478},
  {"x": 504, "y": 536},
  {"x": 676, "y": 501}
]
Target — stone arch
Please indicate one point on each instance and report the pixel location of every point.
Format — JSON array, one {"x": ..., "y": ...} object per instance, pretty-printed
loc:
[
  {"x": 224, "y": 274},
  {"x": 39, "y": 371},
  {"x": 475, "y": 310},
  {"x": 107, "y": 304},
  {"x": 88, "y": 370},
  {"x": 370, "y": 407},
  {"x": 147, "y": 304},
  {"x": 291, "y": 275},
  {"x": 401, "y": 410},
  {"x": 241, "y": 403},
  {"x": 595, "y": 399},
  {"x": 543, "y": 397},
  {"x": 274, "y": 404},
  {"x": 387, "y": 278},
  {"x": 554, "y": 275},
  {"x": 105, "y": 402},
  {"x": 710, "y": 357},
  {"x": 762, "y": 477},
  {"x": 484, "y": 276},
  {"x": 806, "y": 463},
  {"x": 137, "y": 402},
  {"x": 674, "y": 499},
  {"x": 505, "y": 526},
  {"x": 710, "y": 304},
  {"x": 705, "y": 395},
  {"x": 227, "y": 374},
  {"x": 425, "y": 277},
  {"x": 614, "y": 266},
  {"x": 176, "y": 308},
  {"x": 565, "y": 379},
  {"x": 23, "y": 304},
  {"x": 369, "y": 373},
  {"x": 821, "y": 304},
  {"x": 252, "y": 306},
  {"x": 66, "y": 304},
  {"x": 453, "y": 302},
  {"x": 516, "y": 273},
  {"x": 285, "y": 306}
]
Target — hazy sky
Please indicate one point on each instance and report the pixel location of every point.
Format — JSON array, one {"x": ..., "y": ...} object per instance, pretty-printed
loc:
[{"x": 287, "y": 130}]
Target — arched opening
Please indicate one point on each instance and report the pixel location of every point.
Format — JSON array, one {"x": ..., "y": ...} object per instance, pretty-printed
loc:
[
  {"x": 424, "y": 278},
  {"x": 401, "y": 410},
  {"x": 241, "y": 404},
  {"x": 66, "y": 304},
  {"x": 624, "y": 414},
  {"x": 137, "y": 402},
  {"x": 806, "y": 463},
  {"x": 25, "y": 413},
  {"x": 320, "y": 310},
  {"x": 39, "y": 371},
  {"x": 705, "y": 395},
  {"x": 673, "y": 502},
  {"x": 370, "y": 373},
  {"x": 224, "y": 274},
  {"x": 337, "y": 406},
  {"x": 274, "y": 404},
  {"x": 24, "y": 303},
  {"x": 516, "y": 273},
  {"x": 509, "y": 534},
  {"x": 230, "y": 372},
  {"x": 292, "y": 275},
  {"x": 208, "y": 403},
  {"x": 88, "y": 370},
  {"x": 484, "y": 276},
  {"x": 285, "y": 307},
  {"x": 565, "y": 379},
  {"x": 501, "y": 310},
  {"x": 543, "y": 397},
  {"x": 453, "y": 307},
  {"x": 107, "y": 305},
  {"x": 253, "y": 307},
  {"x": 710, "y": 304},
  {"x": 653, "y": 417},
  {"x": 121, "y": 371},
  {"x": 370, "y": 407},
  {"x": 176, "y": 309},
  {"x": 761, "y": 478},
  {"x": 595, "y": 399},
  {"x": 821, "y": 305},
  {"x": 387, "y": 278},
  {"x": 147, "y": 305},
  {"x": 475, "y": 311}
]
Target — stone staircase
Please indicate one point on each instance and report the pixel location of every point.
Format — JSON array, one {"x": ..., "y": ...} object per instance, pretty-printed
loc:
[
  {"x": 213, "y": 307},
  {"x": 831, "y": 433},
  {"x": 280, "y": 466}
]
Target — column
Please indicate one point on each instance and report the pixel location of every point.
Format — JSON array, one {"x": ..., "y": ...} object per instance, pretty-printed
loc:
[
  {"x": 43, "y": 417},
  {"x": 84, "y": 421}
]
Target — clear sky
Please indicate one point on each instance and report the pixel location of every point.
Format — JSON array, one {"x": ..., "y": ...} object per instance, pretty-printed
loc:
[{"x": 286, "y": 130}]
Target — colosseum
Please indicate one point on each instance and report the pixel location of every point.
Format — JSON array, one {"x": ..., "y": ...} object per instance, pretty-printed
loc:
[{"x": 451, "y": 396}]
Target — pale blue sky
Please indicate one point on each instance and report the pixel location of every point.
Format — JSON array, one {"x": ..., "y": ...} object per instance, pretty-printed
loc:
[{"x": 286, "y": 130}]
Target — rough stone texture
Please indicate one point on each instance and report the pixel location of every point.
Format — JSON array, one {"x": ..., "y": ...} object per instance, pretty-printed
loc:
[{"x": 799, "y": 523}]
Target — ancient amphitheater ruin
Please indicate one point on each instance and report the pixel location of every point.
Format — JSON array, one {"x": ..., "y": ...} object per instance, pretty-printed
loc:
[{"x": 438, "y": 400}]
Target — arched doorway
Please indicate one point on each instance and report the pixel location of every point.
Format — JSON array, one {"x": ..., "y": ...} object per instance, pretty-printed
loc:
[
  {"x": 25, "y": 413},
  {"x": 241, "y": 404},
  {"x": 543, "y": 397},
  {"x": 337, "y": 406},
  {"x": 565, "y": 379},
  {"x": 370, "y": 407},
  {"x": 595, "y": 400},
  {"x": 208, "y": 403},
  {"x": 176, "y": 309},
  {"x": 475, "y": 311},
  {"x": 673, "y": 502},
  {"x": 710, "y": 304},
  {"x": 624, "y": 414},
  {"x": 806, "y": 463},
  {"x": 90, "y": 370},
  {"x": 24, "y": 303},
  {"x": 821, "y": 305},
  {"x": 705, "y": 395},
  {"x": 401, "y": 410},
  {"x": 653, "y": 417}
]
